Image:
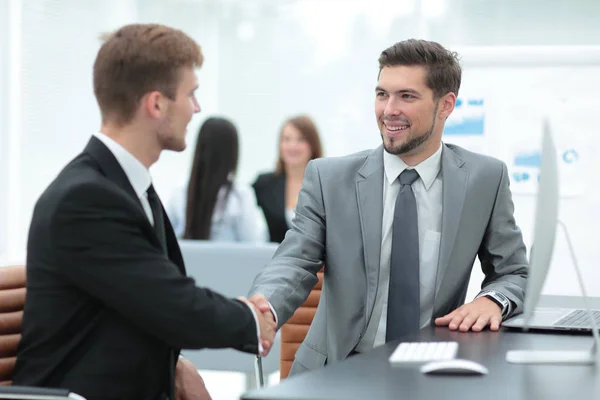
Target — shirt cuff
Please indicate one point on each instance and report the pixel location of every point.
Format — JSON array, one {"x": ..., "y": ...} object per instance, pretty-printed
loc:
[
  {"x": 274, "y": 314},
  {"x": 260, "y": 346}
]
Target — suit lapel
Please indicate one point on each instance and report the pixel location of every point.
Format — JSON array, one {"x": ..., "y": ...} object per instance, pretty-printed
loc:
[
  {"x": 454, "y": 178},
  {"x": 111, "y": 167},
  {"x": 113, "y": 171},
  {"x": 279, "y": 198},
  {"x": 174, "y": 252},
  {"x": 369, "y": 190}
]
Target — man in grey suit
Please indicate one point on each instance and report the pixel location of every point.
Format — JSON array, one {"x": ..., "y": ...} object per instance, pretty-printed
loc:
[{"x": 398, "y": 228}]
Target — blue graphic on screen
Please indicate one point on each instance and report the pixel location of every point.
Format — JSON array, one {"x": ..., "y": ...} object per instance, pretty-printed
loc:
[
  {"x": 528, "y": 159},
  {"x": 531, "y": 159},
  {"x": 527, "y": 163},
  {"x": 467, "y": 119},
  {"x": 570, "y": 156}
]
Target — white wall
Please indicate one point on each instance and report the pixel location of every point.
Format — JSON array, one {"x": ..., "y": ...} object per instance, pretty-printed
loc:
[
  {"x": 267, "y": 59},
  {"x": 51, "y": 108},
  {"x": 4, "y": 29},
  {"x": 518, "y": 98}
]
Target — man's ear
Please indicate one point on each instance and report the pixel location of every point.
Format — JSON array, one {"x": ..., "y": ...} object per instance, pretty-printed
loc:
[
  {"x": 446, "y": 105},
  {"x": 154, "y": 104}
]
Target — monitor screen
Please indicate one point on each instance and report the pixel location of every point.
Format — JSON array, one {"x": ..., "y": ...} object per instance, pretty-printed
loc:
[{"x": 546, "y": 218}]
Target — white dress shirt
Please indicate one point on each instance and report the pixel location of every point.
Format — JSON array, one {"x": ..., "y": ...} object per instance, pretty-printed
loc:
[
  {"x": 140, "y": 179},
  {"x": 428, "y": 195},
  {"x": 137, "y": 173},
  {"x": 237, "y": 217},
  {"x": 290, "y": 213}
]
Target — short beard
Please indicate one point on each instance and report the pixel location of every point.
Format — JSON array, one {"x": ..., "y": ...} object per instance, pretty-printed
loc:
[
  {"x": 167, "y": 137},
  {"x": 414, "y": 143}
]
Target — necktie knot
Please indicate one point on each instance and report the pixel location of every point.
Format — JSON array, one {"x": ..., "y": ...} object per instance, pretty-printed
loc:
[
  {"x": 408, "y": 176},
  {"x": 151, "y": 191}
]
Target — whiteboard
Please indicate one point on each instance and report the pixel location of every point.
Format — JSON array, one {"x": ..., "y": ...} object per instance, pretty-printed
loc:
[{"x": 504, "y": 96}]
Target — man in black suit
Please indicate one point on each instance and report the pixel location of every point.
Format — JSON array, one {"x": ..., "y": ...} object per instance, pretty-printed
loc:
[{"x": 108, "y": 301}]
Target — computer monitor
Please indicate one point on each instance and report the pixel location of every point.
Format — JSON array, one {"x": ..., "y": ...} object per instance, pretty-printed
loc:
[
  {"x": 546, "y": 221},
  {"x": 546, "y": 218}
]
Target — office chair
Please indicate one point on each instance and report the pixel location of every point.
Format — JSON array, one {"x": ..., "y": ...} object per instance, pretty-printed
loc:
[
  {"x": 230, "y": 269},
  {"x": 12, "y": 301},
  {"x": 294, "y": 331}
]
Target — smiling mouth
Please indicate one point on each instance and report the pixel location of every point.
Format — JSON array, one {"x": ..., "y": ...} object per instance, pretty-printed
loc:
[{"x": 396, "y": 128}]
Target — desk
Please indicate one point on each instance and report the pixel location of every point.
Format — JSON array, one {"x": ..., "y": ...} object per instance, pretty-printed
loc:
[{"x": 370, "y": 376}]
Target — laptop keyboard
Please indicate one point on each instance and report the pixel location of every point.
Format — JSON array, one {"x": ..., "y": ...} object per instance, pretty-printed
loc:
[
  {"x": 579, "y": 319},
  {"x": 424, "y": 351}
]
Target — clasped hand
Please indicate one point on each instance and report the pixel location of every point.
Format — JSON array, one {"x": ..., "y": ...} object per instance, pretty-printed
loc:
[{"x": 266, "y": 321}]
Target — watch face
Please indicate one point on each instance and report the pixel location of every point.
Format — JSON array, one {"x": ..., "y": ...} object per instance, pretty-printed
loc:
[
  {"x": 497, "y": 299},
  {"x": 502, "y": 300}
]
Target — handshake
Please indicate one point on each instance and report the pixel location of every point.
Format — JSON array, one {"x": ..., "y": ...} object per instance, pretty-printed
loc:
[{"x": 266, "y": 321}]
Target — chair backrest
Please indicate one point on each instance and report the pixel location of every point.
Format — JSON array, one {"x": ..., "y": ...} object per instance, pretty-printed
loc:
[
  {"x": 294, "y": 331},
  {"x": 12, "y": 300},
  {"x": 230, "y": 269}
]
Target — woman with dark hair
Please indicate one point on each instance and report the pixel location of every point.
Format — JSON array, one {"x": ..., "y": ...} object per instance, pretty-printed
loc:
[
  {"x": 212, "y": 206},
  {"x": 277, "y": 192}
]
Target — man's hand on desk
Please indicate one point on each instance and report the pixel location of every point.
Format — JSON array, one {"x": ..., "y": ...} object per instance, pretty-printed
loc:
[
  {"x": 189, "y": 385},
  {"x": 474, "y": 316},
  {"x": 266, "y": 321}
]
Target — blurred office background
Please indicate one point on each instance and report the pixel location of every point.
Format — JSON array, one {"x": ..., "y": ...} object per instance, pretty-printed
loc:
[{"x": 268, "y": 59}]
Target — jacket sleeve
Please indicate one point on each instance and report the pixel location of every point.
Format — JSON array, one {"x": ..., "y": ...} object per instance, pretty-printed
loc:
[
  {"x": 502, "y": 252},
  {"x": 288, "y": 279},
  {"x": 104, "y": 249}
]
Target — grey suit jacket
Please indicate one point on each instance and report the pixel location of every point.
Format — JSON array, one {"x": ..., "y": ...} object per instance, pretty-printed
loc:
[{"x": 338, "y": 223}]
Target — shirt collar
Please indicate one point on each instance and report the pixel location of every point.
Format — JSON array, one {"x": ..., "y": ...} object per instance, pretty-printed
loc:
[
  {"x": 428, "y": 169},
  {"x": 136, "y": 172}
]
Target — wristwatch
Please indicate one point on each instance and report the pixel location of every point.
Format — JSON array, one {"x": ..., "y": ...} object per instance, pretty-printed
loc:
[{"x": 499, "y": 299}]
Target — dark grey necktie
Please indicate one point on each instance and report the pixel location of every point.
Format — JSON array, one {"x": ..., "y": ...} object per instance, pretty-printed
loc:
[
  {"x": 159, "y": 222},
  {"x": 403, "y": 297}
]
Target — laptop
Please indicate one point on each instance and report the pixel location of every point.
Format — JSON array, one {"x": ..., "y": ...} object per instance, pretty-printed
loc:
[
  {"x": 546, "y": 220},
  {"x": 556, "y": 319}
]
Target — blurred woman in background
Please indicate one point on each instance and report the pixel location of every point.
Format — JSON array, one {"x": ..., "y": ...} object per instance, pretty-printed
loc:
[
  {"x": 277, "y": 192},
  {"x": 212, "y": 206}
]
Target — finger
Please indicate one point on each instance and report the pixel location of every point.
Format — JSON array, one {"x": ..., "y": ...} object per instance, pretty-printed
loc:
[
  {"x": 468, "y": 322},
  {"x": 261, "y": 302},
  {"x": 265, "y": 351},
  {"x": 495, "y": 323},
  {"x": 445, "y": 320},
  {"x": 481, "y": 323},
  {"x": 263, "y": 306},
  {"x": 269, "y": 317},
  {"x": 456, "y": 321},
  {"x": 266, "y": 344}
]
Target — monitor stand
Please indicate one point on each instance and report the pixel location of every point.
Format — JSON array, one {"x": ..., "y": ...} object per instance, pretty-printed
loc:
[{"x": 562, "y": 356}]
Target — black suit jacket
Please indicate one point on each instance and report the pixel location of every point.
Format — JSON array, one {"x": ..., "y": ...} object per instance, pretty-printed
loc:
[
  {"x": 270, "y": 196},
  {"x": 107, "y": 310}
]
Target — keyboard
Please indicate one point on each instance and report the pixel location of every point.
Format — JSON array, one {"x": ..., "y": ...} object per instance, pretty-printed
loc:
[
  {"x": 579, "y": 319},
  {"x": 412, "y": 352}
]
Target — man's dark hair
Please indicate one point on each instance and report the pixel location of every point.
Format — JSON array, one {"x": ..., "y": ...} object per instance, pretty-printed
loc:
[{"x": 443, "y": 67}]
